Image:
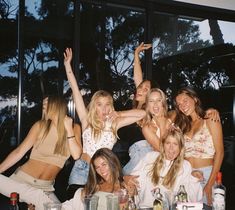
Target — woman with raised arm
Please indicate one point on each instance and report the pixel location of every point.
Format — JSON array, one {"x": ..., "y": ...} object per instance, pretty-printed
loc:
[
  {"x": 52, "y": 139},
  {"x": 203, "y": 138},
  {"x": 144, "y": 140},
  {"x": 139, "y": 146},
  {"x": 99, "y": 122}
]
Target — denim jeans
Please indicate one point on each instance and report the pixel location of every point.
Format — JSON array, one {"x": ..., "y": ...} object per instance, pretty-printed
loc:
[
  {"x": 206, "y": 175},
  {"x": 79, "y": 172},
  {"x": 137, "y": 151}
]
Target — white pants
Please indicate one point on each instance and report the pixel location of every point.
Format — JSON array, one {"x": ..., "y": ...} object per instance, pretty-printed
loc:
[{"x": 26, "y": 192}]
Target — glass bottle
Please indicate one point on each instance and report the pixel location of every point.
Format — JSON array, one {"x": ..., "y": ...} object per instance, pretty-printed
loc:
[
  {"x": 131, "y": 203},
  {"x": 158, "y": 202},
  {"x": 182, "y": 194},
  {"x": 175, "y": 202},
  {"x": 218, "y": 194},
  {"x": 14, "y": 201}
]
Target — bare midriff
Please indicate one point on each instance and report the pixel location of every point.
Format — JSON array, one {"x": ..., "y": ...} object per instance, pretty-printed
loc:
[
  {"x": 40, "y": 170},
  {"x": 200, "y": 163}
]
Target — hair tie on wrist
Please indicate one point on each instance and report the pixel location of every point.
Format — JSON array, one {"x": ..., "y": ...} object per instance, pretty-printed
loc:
[{"x": 70, "y": 137}]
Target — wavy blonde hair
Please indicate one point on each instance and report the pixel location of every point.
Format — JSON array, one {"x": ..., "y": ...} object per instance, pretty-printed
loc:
[
  {"x": 149, "y": 116},
  {"x": 93, "y": 120},
  {"x": 56, "y": 106},
  {"x": 169, "y": 179}
]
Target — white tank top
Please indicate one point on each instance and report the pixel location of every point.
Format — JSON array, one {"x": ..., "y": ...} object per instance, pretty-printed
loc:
[{"x": 106, "y": 140}]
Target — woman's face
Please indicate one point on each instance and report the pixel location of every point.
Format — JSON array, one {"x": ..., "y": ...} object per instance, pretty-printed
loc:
[
  {"x": 142, "y": 91},
  {"x": 102, "y": 168},
  {"x": 186, "y": 104},
  {"x": 155, "y": 105},
  {"x": 171, "y": 148},
  {"x": 103, "y": 107}
]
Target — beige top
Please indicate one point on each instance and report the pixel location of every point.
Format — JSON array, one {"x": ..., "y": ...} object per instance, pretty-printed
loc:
[{"x": 43, "y": 150}]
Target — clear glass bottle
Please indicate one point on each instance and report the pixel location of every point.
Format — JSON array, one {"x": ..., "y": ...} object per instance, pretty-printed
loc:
[
  {"x": 131, "y": 203},
  {"x": 158, "y": 202},
  {"x": 14, "y": 201},
  {"x": 175, "y": 202},
  {"x": 182, "y": 194},
  {"x": 218, "y": 194}
]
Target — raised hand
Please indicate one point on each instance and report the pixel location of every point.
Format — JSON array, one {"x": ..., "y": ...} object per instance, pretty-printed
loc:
[
  {"x": 68, "y": 55},
  {"x": 142, "y": 47},
  {"x": 68, "y": 124}
]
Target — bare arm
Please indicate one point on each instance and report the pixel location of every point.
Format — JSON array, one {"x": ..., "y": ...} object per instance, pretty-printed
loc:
[
  {"x": 138, "y": 75},
  {"x": 128, "y": 117},
  {"x": 21, "y": 150},
  {"x": 216, "y": 132},
  {"x": 73, "y": 138},
  {"x": 150, "y": 135},
  {"x": 77, "y": 96}
]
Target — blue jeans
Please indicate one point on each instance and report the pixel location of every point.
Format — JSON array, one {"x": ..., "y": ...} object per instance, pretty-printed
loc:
[
  {"x": 136, "y": 152},
  {"x": 79, "y": 172},
  {"x": 206, "y": 175}
]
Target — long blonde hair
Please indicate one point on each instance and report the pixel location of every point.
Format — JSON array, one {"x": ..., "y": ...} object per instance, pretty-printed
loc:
[
  {"x": 164, "y": 104},
  {"x": 56, "y": 106},
  {"x": 169, "y": 179},
  {"x": 93, "y": 120}
]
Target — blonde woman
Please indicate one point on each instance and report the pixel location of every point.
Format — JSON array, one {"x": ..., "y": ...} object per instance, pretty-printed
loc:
[
  {"x": 157, "y": 122},
  {"x": 52, "y": 139},
  {"x": 99, "y": 123},
  {"x": 166, "y": 170}
]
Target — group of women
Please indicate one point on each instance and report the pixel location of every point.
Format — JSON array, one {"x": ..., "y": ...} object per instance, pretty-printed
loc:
[{"x": 170, "y": 150}]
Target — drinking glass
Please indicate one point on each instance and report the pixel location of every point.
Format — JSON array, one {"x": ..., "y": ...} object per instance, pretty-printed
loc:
[
  {"x": 112, "y": 202},
  {"x": 122, "y": 198},
  {"x": 91, "y": 202},
  {"x": 52, "y": 206}
]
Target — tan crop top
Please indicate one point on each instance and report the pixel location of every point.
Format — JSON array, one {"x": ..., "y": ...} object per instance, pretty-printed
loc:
[
  {"x": 200, "y": 145},
  {"x": 43, "y": 150}
]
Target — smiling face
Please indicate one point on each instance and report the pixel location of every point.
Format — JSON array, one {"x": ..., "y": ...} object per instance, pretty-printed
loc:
[
  {"x": 186, "y": 104},
  {"x": 171, "y": 148},
  {"x": 102, "y": 168},
  {"x": 142, "y": 91},
  {"x": 103, "y": 107}
]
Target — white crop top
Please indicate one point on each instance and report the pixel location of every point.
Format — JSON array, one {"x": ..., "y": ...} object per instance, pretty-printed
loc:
[{"x": 106, "y": 140}]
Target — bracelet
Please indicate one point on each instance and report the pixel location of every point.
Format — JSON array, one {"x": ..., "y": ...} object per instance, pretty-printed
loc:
[{"x": 70, "y": 137}]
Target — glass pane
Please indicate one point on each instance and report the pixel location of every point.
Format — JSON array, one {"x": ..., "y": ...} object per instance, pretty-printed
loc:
[
  {"x": 199, "y": 53},
  {"x": 8, "y": 76},
  {"x": 49, "y": 29}
]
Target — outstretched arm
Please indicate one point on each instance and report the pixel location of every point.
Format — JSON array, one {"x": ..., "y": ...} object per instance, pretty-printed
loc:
[
  {"x": 77, "y": 96},
  {"x": 21, "y": 150},
  {"x": 138, "y": 75},
  {"x": 128, "y": 117}
]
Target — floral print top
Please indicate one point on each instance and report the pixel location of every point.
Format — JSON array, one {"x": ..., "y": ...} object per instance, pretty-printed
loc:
[{"x": 200, "y": 145}]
